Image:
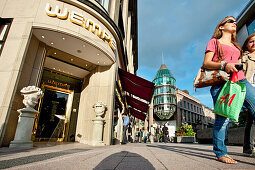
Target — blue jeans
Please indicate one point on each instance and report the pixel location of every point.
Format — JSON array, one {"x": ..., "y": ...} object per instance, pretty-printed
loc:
[{"x": 220, "y": 125}]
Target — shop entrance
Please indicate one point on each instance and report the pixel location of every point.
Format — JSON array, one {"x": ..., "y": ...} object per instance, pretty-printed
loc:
[
  {"x": 58, "y": 108},
  {"x": 54, "y": 115}
]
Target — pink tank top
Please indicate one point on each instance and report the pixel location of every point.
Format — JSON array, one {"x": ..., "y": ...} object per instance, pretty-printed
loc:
[{"x": 231, "y": 54}]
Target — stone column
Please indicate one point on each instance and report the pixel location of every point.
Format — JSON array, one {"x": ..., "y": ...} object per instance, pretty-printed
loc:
[
  {"x": 24, "y": 129},
  {"x": 98, "y": 125}
]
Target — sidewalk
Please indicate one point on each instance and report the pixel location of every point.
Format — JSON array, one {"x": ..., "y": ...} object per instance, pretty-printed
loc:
[{"x": 133, "y": 156}]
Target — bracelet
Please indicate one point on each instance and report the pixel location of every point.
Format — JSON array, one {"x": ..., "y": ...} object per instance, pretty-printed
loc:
[{"x": 223, "y": 65}]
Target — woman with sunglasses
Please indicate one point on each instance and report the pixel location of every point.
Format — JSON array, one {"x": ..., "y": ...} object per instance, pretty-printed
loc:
[
  {"x": 225, "y": 35},
  {"x": 248, "y": 60}
]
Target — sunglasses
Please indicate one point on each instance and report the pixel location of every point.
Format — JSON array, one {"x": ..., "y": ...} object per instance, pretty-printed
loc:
[{"x": 229, "y": 21}]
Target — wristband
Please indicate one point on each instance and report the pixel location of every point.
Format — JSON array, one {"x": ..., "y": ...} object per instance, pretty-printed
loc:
[{"x": 223, "y": 65}]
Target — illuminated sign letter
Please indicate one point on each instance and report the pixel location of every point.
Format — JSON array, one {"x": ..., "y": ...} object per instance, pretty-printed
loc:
[
  {"x": 105, "y": 35},
  {"x": 99, "y": 29},
  {"x": 112, "y": 44},
  {"x": 48, "y": 9},
  {"x": 88, "y": 23},
  {"x": 64, "y": 15},
  {"x": 76, "y": 18}
]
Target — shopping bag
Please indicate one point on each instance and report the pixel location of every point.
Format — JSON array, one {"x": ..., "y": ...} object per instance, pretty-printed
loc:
[{"x": 231, "y": 99}]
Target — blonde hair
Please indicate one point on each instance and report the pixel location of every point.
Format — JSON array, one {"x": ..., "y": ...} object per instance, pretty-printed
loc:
[{"x": 218, "y": 33}]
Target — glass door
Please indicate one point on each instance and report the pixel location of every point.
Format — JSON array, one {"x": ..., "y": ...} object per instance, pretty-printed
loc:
[{"x": 52, "y": 121}]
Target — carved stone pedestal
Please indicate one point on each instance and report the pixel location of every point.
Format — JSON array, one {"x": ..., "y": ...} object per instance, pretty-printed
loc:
[
  {"x": 24, "y": 129},
  {"x": 98, "y": 126}
]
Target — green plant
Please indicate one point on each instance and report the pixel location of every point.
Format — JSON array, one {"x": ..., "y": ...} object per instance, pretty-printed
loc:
[{"x": 185, "y": 130}]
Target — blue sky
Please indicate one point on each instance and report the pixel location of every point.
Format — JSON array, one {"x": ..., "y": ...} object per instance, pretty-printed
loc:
[{"x": 180, "y": 29}]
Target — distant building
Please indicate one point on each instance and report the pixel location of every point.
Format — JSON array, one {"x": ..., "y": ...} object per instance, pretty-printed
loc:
[
  {"x": 164, "y": 94},
  {"x": 172, "y": 106},
  {"x": 190, "y": 110}
]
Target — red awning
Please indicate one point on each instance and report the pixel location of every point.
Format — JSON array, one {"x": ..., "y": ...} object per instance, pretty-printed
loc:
[
  {"x": 137, "y": 114},
  {"x": 137, "y": 104},
  {"x": 136, "y": 85}
]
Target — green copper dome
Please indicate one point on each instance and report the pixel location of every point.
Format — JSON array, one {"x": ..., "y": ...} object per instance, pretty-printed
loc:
[{"x": 163, "y": 72}]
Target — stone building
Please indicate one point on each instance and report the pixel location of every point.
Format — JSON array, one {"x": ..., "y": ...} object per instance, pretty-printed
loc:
[
  {"x": 192, "y": 111},
  {"x": 72, "y": 50}
]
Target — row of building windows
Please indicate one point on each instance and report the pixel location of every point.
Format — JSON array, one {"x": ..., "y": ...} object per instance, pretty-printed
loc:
[
  {"x": 164, "y": 99},
  {"x": 191, "y": 117},
  {"x": 164, "y": 108},
  {"x": 164, "y": 90},
  {"x": 191, "y": 107},
  {"x": 164, "y": 81}
]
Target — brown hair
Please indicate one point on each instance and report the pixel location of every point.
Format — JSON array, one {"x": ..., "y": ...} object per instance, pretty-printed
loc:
[
  {"x": 218, "y": 33},
  {"x": 244, "y": 47}
]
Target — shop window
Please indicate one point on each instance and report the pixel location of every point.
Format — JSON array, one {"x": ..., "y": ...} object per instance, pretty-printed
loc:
[
  {"x": 184, "y": 104},
  {"x": 4, "y": 29},
  {"x": 188, "y": 105},
  {"x": 194, "y": 108},
  {"x": 191, "y": 107}
]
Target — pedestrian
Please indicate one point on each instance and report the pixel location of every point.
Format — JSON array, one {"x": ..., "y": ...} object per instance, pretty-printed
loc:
[
  {"x": 165, "y": 133},
  {"x": 248, "y": 61},
  {"x": 157, "y": 133},
  {"x": 141, "y": 136},
  {"x": 225, "y": 35},
  {"x": 125, "y": 127},
  {"x": 144, "y": 136},
  {"x": 152, "y": 134}
]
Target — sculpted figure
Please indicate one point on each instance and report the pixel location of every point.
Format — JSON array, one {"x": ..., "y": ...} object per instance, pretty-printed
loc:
[{"x": 31, "y": 95}]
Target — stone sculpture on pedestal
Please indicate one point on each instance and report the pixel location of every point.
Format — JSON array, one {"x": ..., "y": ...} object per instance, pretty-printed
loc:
[
  {"x": 98, "y": 124},
  {"x": 27, "y": 116}
]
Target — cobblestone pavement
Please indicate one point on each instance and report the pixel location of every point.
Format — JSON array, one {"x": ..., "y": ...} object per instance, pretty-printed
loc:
[{"x": 133, "y": 156}]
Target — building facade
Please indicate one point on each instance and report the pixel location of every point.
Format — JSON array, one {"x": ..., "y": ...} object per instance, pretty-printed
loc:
[
  {"x": 164, "y": 99},
  {"x": 172, "y": 106},
  {"x": 246, "y": 22},
  {"x": 72, "y": 50},
  {"x": 190, "y": 110}
]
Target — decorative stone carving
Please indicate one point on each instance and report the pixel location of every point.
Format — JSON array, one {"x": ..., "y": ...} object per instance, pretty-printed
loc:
[
  {"x": 27, "y": 115},
  {"x": 98, "y": 124},
  {"x": 31, "y": 95},
  {"x": 99, "y": 108}
]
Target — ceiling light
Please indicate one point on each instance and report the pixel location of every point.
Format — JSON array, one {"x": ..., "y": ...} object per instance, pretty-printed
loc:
[
  {"x": 54, "y": 68},
  {"x": 63, "y": 38},
  {"x": 43, "y": 36},
  {"x": 71, "y": 59},
  {"x": 97, "y": 53},
  {"x": 51, "y": 43},
  {"x": 86, "y": 64},
  {"x": 55, "y": 53},
  {"x": 98, "y": 62},
  {"x": 84, "y": 45}
]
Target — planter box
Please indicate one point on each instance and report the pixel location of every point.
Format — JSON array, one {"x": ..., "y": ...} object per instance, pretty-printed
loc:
[{"x": 185, "y": 139}]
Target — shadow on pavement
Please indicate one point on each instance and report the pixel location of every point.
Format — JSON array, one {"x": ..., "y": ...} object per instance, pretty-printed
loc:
[
  {"x": 194, "y": 152},
  {"x": 125, "y": 160},
  {"x": 36, "y": 158}
]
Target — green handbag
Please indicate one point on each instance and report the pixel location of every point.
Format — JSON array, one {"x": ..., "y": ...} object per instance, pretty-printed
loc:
[{"x": 231, "y": 98}]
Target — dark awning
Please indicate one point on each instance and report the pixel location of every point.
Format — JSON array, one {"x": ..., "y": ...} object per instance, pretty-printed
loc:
[
  {"x": 137, "y": 104},
  {"x": 136, "y": 85},
  {"x": 137, "y": 114}
]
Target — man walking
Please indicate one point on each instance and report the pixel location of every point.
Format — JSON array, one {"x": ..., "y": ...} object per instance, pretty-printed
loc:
[{"x": 125, "y": 126}]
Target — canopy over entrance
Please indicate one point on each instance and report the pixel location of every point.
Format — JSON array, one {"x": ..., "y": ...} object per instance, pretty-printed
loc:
[{"x": 139, "y": 87}]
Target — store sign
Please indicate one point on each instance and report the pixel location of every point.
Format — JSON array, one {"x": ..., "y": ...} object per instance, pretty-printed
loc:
[
  {"x": 78, "y": 19},
  {"x": 58, "y": 84}
]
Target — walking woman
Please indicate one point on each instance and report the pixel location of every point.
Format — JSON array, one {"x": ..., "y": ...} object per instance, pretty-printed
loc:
[
  {"x": 248, "y": 60},
  {"x": 225, "y": 35}
]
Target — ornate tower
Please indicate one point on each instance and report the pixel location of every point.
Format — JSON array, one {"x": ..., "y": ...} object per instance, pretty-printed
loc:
[{"x": 164, "y": 99}]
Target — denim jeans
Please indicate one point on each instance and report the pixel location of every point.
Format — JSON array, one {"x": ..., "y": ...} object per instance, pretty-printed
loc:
[
  {"x": 220, "y": 125},
  {"x": 125, "y": 134}
]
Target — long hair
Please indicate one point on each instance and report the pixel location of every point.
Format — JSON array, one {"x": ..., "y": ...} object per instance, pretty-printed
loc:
[
  {"x": 244, "y": 47},
  {"x": 218, "y": 33}
]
